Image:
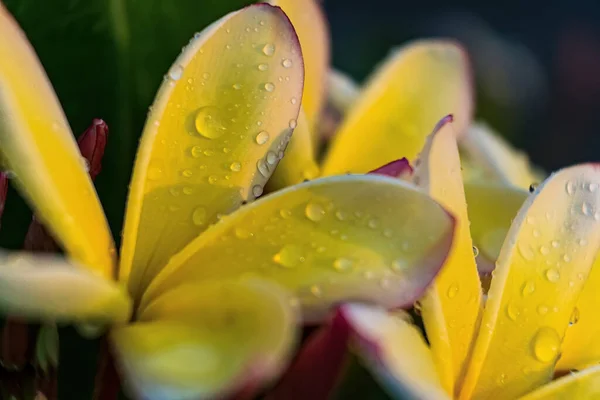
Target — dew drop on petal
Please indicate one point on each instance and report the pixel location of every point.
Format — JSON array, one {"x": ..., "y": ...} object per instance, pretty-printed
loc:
[
  {"x": 315, "y": 212},
  {"x": 570, "y": 188},
  {"x": 176, "y": 72},
  {"x": 552, "y": 275},
  {"x": 199, "y": 216},
  {"x": 574, "y": 317},
  {"x": 257, "y": 190},
  {"x": 512, "y": 311},
  {"x": 207, "y": 122},
  {"x": 268, "y": 49},
  {"x": 343, "y": 264},
  {"x": 452, "y": 291},
  {"x": 287, "y": 63},
  {"x": 528, "y": 288},
  {"x": 269, "y": 86},
  {"x": 545, "y": 344},
  {"x": 262, "y": 137},
  {"x": 289, "y": 256},
  {"x": 235, "y": 166}
]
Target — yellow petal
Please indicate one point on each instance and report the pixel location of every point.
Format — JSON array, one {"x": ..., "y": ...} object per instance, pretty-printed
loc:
[
  {"x": 451, "y": 307},
  {"x": 50, "y": 288},
  {"x": 395, "y": 350},
  {"x": 543, "y": 264},
  {"x": 401, "y": 103},
  {"x": 364, "y": 237},
  {"x": 497, "y": 158},
  {"x": 581, "y": 346},
  {"x": 310, "y": 25},
  {"x": 492, "y": 208},
  {"x": 207, "y": 340},
  {"x": 578, "y": 385},
  {"x": 37, "y": 145},
  {"x": 225, "y": 108},
  {"x": 299, "y": 162}
]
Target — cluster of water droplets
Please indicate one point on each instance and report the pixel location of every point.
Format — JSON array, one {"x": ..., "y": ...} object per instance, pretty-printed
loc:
[{"x": 220, "y": 127}]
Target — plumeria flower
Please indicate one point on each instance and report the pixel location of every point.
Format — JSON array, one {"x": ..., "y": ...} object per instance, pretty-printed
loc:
[
  {"x": 207, "y": 292},
  {"x": 527, "y": 330}
]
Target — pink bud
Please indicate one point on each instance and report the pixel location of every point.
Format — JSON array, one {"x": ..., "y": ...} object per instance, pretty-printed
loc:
[
  {"x": 395, "y": 169},
  {"x": 92, "y": 144}
]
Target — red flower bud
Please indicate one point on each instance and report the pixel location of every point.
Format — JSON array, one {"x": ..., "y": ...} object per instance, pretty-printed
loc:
[{"x": 92, "y": 144}]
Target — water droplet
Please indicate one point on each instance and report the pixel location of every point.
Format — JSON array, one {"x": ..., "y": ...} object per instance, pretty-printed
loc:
[
  {"x": 567, "y": 258},
  {"x": 545, "y": 344},
  {"x": 199, "y": 216},
  {"x": 235, "y": 166},
  {"x": 544, "y": 250},
  {"x": 452, "y": 291},
  {"x": 289, "y": 256},
  {"x": 528, "y": 288},
  {"x": 536, "y": 233},
  {"x": 287, "y": 63},
  {"x": 263, "y": 67},
  {"x": 187, "y": 173},
  {"x": 196, "y": 151},
  {"x": 341, "y": 215},
  {"x": 582, "y": 242},
  {"x": 205, "y": 75},
  {"x": 213, "y": 179},
  {"x": 316, "y": 291},
  {"x": 271, "y": 158},
  {"x": 208, "y": 122},
  {"x": 512, "y": 311},
  {"x": 475, "y": 251},
  {"x": 542, "y": 309},
  {"x": 570, "y": 188},
  {"x": 343, "y": 264},
  {"x": 187, "y": 190},
  {"x": 586, "y": 209},
  {"x": 552, "y": 275},
  {"x": 269, "y": 86},
  {"x": 592, "y": 187},
  {"x": 293, "y": 123},
  {"x": 555, "y": 244},
  {"x": 294, "y": 100},
  {"x": 574, "y": 317},
  {"x": 502, "y": 379},
  {"x": 268, "y": 49},
  {"x": 262, "y": 167},
  {"x": 175, "y": 72},
  {"x": 373, "y": 223},
  {"x": 398, "y": 265},
  {"x": 262, "y": 137},
  {"x": 257, "y": 190},
  {"x": 237, "y": 86},
  {"x": 285, "y": 213},
  {"x": 208, "y": 152},
  {"x": 315, "y": 212}
]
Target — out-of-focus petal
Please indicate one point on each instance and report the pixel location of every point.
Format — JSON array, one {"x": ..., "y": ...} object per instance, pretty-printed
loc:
[
  {"x": 207, "y": 340},
  {"x": 363, "y": 237},
  {"x": 311, "y": 26},
  {"x": 342, "y": 91},
  {"x": 316, "y": 369},
  {"x": 492, "y": 207},
  {"x": 451, "y": 306},
  {"x": 401, "y": 103},
  {"x": 576, "y": 385},
  {"x": 395, "y": 351},
  {"x": 37, "y": 145},
  {"x": 226, "y": 106},
  {"x": 50, "y": 288},
  {"x": 299, "y": 162},
  {"x": 494, "y": 155},
  {"x": 542, "y": 267}
]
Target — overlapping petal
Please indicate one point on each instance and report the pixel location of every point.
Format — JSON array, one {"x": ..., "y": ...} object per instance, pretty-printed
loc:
[
  {"x": 214, "y": 135},
  {"x": 541, "y": 270},
  {"x": 37, "y": 146},
  {"x": 395, "y": 351},
  {"x": 363, "y": 237},
  {"x": 451, "y": 307},
  {"x": 401, "y": 103},
  {"x": 50, "y": 288},
  {"x": 492, "y": 208},
  {"x": 576, "y": 385},
  {"x": 299, "y": 163},
  {"x": 311, "y": 26},
  {"x": 497, "y": 159},
  {"x": 207, "y": 340}
]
